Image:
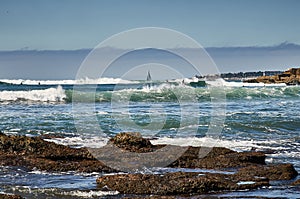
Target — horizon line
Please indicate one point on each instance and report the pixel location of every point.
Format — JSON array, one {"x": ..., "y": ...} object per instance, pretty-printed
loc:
[{"x": 282, "y": 44}]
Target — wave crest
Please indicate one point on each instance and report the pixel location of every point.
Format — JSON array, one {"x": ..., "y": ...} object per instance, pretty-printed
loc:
[
  {"x": 103, "y": 80},
  {"x": 46, "y": 95}
]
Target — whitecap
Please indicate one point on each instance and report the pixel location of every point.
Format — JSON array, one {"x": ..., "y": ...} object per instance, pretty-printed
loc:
[{"x": 46, "y": 95}]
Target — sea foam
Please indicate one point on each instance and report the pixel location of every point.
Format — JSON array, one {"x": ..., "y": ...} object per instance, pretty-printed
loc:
[
  {"x": 103, "y": 80},
  {"x": 46, "y": 95}
]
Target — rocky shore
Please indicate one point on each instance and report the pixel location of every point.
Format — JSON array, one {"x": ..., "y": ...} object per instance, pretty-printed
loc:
[
  {"x": 34, "y": 153},
  {"x": 9, "y": 196},
  {"x": 247, "y": 170},
  {"x": 224, "y": 169},
  {"x": 289, "y": 77}
]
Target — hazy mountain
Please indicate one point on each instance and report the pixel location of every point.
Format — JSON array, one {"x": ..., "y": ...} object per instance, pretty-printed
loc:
[{"x": 63, "y": 64}]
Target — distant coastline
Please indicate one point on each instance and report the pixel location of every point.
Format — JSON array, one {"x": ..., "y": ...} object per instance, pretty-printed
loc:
[
  {"x": 290, "y": 76},
  {"x": 248, "y": 75}
]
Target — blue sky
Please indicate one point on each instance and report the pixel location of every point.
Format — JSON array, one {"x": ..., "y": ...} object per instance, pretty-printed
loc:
[
  {"x": 39, "y": 38},
  {"x": 76, "y": 24}
]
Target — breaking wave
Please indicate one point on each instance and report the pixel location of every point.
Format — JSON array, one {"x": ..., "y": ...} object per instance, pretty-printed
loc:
[
  {"x": 159, "y": 92},
  {"x": 182, "y": 93},
  {"x": 103, "y": 80},
  {"x": 46, "y": 95}
]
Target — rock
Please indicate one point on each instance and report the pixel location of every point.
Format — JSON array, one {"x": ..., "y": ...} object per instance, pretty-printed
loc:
[
  {"x": 152, "y": 197},
  {"x": 35, "y": 153},
  {"x": 289, "y": 77},
  {"x": 272, "y": 172},
  {"x": 252, "y": 171},
  {"x": 132, "y": 141},
  {"x": 296, "y": 183},
  {"x": 136, "y": 150},
  {"x": 218, "y": 158},
  {"x": 176, "y": 183},
  {"x": 9, "y": 196}
]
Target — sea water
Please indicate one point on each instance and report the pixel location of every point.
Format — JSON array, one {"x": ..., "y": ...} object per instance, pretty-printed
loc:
[{"x": 256, "y": 117}]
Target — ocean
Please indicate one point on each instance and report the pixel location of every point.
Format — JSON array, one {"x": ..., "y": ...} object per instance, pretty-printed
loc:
[{"x": 256, "y": 117}]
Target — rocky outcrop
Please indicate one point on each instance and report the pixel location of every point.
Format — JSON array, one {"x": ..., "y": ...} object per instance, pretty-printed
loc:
[
  {"x": 250, "y": 169},
  {"x": 9, "y": 196},
  {"x": 272, "y": 172},
  {"x": 36, "y": 153},
  {"x": 214, "y": 158},
  {"x": 130, "y": 152},
  {"x": 176, "y": 183},
  {"x": 218, "y": 158},
  {"x": 289, "y": 77},
  {"x": 133, "y": 142},
  {"x": 296, "y": 183}
]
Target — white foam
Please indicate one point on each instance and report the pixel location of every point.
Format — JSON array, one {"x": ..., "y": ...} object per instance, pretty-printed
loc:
[
  {"x": 206, "y": 142},
  {"x": 237, "y": 145},
  {"x": 46, "y": 95},
  {"x": 68, "y": 82},
  {"x": 245, "y": 182},
  {"x": 93, "y": 142},
  {"x": 165, "y": 86},
  {"x": 222, "y": 82},
  {"x": 102, "y": 112},
  {"x": 90, "y": 194},
  {"x": 184, "y": 80},
  {"x": 98, "y": 142}
]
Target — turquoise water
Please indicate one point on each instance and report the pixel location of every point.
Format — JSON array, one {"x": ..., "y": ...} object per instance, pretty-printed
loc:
[{"x": 266, "y": 118}]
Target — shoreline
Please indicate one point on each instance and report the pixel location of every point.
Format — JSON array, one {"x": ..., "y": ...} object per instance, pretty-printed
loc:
[{"x": 249, "y": 169}]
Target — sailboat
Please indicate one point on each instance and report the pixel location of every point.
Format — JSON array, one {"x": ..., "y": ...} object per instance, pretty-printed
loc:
[
  {"x": 149, "y": 76},
  {"x": 149, "y": 80}
]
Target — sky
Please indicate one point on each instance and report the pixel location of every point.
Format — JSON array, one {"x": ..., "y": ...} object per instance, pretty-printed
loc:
[
  {"x": 43, "y": 39},
  {"x": 77, "y": 24}
]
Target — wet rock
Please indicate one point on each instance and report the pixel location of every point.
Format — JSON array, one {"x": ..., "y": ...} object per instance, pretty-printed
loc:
[
  {"x": 132, "y": 141},
  {"x": 272, "y": 172},
  {"x": 9, "y": 196},
  {"x": 192, "y": 157},
  {"x": 217, "y": 158},
  {"x": 252, "y": 172},
  {"x": 296, "y": 183},
  {"x": 151, "y": 197},
  {"x": 35, "y": 153},
  {"x": 176, "y": 183}
]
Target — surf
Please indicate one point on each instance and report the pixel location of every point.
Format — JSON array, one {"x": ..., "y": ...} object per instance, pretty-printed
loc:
[{"x": 46, "y": 95}]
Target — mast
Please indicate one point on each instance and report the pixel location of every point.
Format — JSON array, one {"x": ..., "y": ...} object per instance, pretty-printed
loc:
[{"x": 149, "y": 76}]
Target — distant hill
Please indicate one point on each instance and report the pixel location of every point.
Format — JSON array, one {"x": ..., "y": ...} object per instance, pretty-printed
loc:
[{"x": 64, "y": 64}]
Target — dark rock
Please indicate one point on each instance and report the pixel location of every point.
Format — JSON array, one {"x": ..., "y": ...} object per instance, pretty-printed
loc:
[
  {"x": 296, "y": 183},
  {"x": 35, "y": 153},
  {"x": 252, "y": 171},
  {"x": 218, "y": 158},
  {"x": 50, "y": 136},
  {"x": 9, "y": 196},
  {"x": 152, "y": 197},
  {"x": 175, "y": 183},
  {"x": 192, "y": 157},
  {"x": 272, "y": 172},
  {"x": 132, "y": 141}
]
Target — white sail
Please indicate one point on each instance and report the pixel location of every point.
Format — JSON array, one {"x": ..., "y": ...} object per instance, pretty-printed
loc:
[{"x": 149, "y": 76}]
